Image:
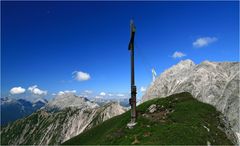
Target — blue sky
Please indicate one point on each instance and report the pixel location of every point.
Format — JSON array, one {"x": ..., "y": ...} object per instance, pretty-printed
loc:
[{"x": 49, "y": 44}]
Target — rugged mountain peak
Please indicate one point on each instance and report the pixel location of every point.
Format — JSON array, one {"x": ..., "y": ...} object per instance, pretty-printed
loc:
[
  {"x": 180, "y": 67},
  {"x": 69, "y": 100},
  {"x": 208, "y": 64},
  {"x": 184, "y": 64},
  {"x": 215, "y": 83},
  {"x": 187, "y": 62}
]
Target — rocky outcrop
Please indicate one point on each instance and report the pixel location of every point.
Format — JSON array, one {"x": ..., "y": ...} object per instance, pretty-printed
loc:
[{"x": 215, "y": 83}]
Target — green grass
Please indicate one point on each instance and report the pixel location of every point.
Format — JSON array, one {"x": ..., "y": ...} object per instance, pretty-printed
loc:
[{"x": 184, "y": 125}]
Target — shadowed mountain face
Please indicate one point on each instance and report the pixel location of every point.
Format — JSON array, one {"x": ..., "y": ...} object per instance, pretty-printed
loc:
[
  {"x": 175, "y": 120},
  {"x": 13, "y": 109},
  {"x": 215, "y": 83},
  {"x": 58, "y": 122}
]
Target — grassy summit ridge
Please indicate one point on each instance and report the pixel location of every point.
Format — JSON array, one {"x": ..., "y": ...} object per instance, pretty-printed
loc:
[{"x": 178, "y": 119}]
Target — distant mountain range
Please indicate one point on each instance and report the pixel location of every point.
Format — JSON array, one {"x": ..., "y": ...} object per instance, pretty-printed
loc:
[
  {"x": 60, "y": 119},
  {"x": 13, "y": 109},
  {"x": 123, "y": 101}
]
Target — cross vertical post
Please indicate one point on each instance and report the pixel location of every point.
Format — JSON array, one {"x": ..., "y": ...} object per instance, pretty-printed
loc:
[{"x": 132, "y": 100}]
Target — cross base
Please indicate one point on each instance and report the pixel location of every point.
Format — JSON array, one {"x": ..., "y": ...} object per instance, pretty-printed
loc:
[{"x": 131, "y": 124}]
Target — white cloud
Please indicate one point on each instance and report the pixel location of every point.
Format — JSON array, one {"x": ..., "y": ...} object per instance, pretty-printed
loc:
[
  {"x": 102, "y": 94},
  {"x": 17, "y": 90},
  {"x": 142, "y": 89},
  {"x": 66, "y": 91},
  {"x": 110, "y": 94},
  {"x": 178, "y": 54},
  {"x": 36, "y": 91},
  {"x": 88, "y": 91},
  {"x": 204, "y": 41},
  {"x": 81, "y": 76},
  {"x": 120, "y": 95}
]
